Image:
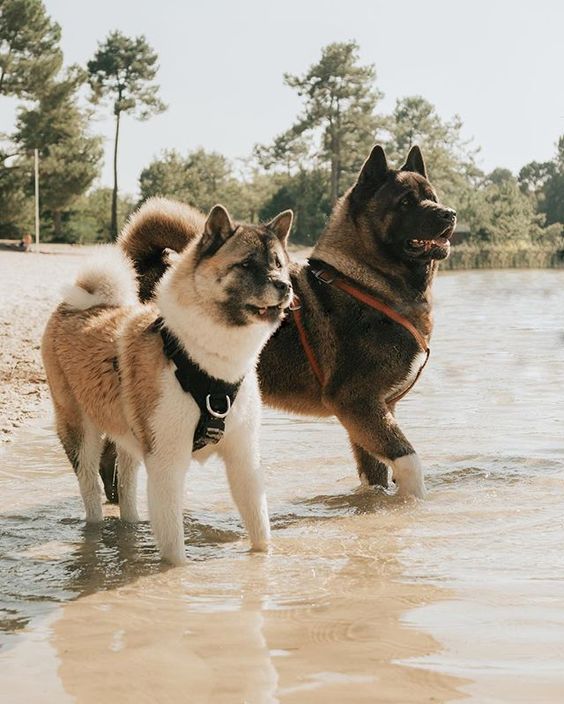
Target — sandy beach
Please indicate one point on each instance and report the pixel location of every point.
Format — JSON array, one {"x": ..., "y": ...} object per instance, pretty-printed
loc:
[{"x": 30, "y": 286}]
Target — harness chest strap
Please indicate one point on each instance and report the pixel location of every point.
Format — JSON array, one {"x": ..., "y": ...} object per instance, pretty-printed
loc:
[
  {"x": 372, "y": 302},
  {"x": 214, "y": 397}
]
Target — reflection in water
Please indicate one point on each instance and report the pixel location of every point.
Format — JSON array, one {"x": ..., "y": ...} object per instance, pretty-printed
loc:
[
  {"x": 318, "y": 616},
  {"x": 363, "y": 597}
]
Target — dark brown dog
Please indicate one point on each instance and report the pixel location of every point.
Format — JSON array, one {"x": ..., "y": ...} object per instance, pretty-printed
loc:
[{"x": 386, "y": 236}]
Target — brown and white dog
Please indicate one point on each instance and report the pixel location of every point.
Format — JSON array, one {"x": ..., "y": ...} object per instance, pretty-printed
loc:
[{"x": 220, "y": 301}]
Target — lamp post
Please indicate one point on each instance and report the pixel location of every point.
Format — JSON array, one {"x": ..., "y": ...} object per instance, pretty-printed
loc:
[{"x": 36, "y": 154}]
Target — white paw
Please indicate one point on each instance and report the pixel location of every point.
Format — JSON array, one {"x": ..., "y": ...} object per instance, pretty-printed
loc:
[
  {"x": 260, "y": 547},
  {"x": 408, "y": 475},
  {"x": 94, "y": 516},
  {"x": 129, "y": 516},
  {"x": 176, "y": 559}
]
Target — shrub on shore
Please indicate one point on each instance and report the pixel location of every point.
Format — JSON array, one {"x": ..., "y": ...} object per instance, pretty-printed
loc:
[{"x": 521, "y": 256}]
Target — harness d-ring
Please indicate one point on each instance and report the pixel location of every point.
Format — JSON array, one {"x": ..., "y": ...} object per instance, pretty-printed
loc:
[
  {"x": 217, "y": 414},
  {"x": 295, "y": 303}
]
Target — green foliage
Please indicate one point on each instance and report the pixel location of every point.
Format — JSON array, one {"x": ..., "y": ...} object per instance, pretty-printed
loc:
[
  {"x": 17, "y": 212},
  {"x": 473, "y": 255},
  {"x": 122, "y": 71},
  {"x": 29, "y": 48},
  {"x": 449, "y": 157},
  {"x": 553, "y": 205},
  {"x": 306, "y": 193},
  {"x": 499, "y": 212},
  {"x": 89, "y": 219},
  {"x": 289, "y": 151},
  {"x": 201, "y": 179},
  {"x": 70, "y": 158},
  {"x": 339, "y": 98},
  {"x": 544, "y": 182}
]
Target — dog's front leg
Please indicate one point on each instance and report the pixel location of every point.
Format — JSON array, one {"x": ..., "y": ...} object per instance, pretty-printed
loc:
[
  {"x": 370, "y": 470},
  {"x": 165, "y": 489},
  {"x": 242, "y": 462},
  {"x": 127, "y": 468},
  {"x": 371, "y": 426}
]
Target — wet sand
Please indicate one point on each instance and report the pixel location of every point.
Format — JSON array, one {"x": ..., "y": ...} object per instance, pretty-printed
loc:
[{"x": 364, "y": 598}]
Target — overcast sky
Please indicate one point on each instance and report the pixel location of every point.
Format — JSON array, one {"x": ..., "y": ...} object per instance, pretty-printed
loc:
[{"x": 499, "y": 64}]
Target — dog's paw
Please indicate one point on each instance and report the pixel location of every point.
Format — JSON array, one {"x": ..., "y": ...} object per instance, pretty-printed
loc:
[
  {"x": 263, "y": 547},
  {"x": 408, "y": 476}
]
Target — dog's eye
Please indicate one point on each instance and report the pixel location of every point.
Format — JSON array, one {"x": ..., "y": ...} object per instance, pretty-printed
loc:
[
  {"x": 278, "y": 263},
  {"x": 245, "y": 264},
  {"x": 404, "y": 203}
]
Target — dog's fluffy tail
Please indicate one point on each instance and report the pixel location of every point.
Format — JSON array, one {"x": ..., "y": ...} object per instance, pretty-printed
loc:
[
  {"x": 107, "y": 280},
  {"x": 160, "y": 225}
]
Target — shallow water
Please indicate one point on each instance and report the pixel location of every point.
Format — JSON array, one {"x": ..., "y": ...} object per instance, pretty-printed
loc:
[{"x": 364, "y": 598}]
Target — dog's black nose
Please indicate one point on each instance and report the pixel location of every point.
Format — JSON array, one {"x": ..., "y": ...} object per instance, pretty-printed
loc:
[
  {"x": 449, "y": 214},
  {"x": 281, "y": 286}
]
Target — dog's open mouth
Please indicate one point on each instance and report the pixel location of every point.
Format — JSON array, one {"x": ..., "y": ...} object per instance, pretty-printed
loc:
[
  {"x": 268, "y": 313},
  {"x": 432, "y": 248}
]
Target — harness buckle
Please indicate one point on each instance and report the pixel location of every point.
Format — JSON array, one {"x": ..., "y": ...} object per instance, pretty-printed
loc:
[
  {"x": 321, "y": 274},
  {"x": 218, "y": 414}
]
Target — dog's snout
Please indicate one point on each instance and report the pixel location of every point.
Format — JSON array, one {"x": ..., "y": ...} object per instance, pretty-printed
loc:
[
  {"x": 449, "y": 214},
  {"x": 281, "y": 286}
]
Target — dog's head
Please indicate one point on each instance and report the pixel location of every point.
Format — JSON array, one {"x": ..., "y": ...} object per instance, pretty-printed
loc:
[
  {"x": 399, "y": 210},
  {"x": 241, "y": 272}
]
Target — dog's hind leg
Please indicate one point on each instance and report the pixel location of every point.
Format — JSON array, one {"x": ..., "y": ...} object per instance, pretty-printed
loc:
[
  {"x": 242, "y": 462},
  {"x": 165, "y": 489},
  {"x": 127, "y": 468},
  {"x": 88, "y": 462},
  {"x": 371, "y": 471},
  {"x": 82, "y": 443},
  {"x": 109, "y": 472}
]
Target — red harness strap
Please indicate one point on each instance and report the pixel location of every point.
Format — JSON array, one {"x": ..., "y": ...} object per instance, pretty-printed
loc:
[
  {"x": 368, "y": 300},
  {"x": 296, "y": 308}
]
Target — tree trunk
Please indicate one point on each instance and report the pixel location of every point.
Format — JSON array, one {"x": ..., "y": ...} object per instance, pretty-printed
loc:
[
  {"x": 113, "y": 226},
  {"x": 335, "y": 169},
  {"x": 334, "y": 181},
  {"x": 57, "y": 225}
]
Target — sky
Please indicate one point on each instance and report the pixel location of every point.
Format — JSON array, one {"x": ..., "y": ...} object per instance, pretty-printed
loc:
[{"x": 499, "y": 64}]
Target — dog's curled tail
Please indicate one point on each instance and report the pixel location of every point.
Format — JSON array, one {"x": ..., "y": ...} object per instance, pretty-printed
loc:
[
  {"x": 160, "y": 225},
  {"x": 107, "y": 280}
]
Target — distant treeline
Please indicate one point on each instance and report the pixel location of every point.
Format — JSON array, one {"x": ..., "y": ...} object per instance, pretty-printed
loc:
[{"x": 508, "y": 220}]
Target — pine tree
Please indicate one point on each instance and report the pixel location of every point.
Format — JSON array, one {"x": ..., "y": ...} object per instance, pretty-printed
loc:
[
  {"x": 29, "y": 48},
  {"x": 123, "y": 71},
  {"x": 339, "y": 102},
  {"x": 69, "y": 156}
]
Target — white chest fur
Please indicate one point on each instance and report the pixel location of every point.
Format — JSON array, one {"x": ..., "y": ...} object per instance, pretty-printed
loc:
[{"x": 416, "y": 364}]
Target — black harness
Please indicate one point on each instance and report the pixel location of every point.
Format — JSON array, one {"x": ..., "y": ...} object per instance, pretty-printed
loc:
[{"x": 214, "y": 397}]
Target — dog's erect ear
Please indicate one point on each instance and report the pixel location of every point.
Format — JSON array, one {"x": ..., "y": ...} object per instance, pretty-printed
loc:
[
  {"x": 415, "y": 162},
  {"x": 217, "y": 230},
  {"x": 373, "y": 173},
  {"x": 281, "y": 225}
]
